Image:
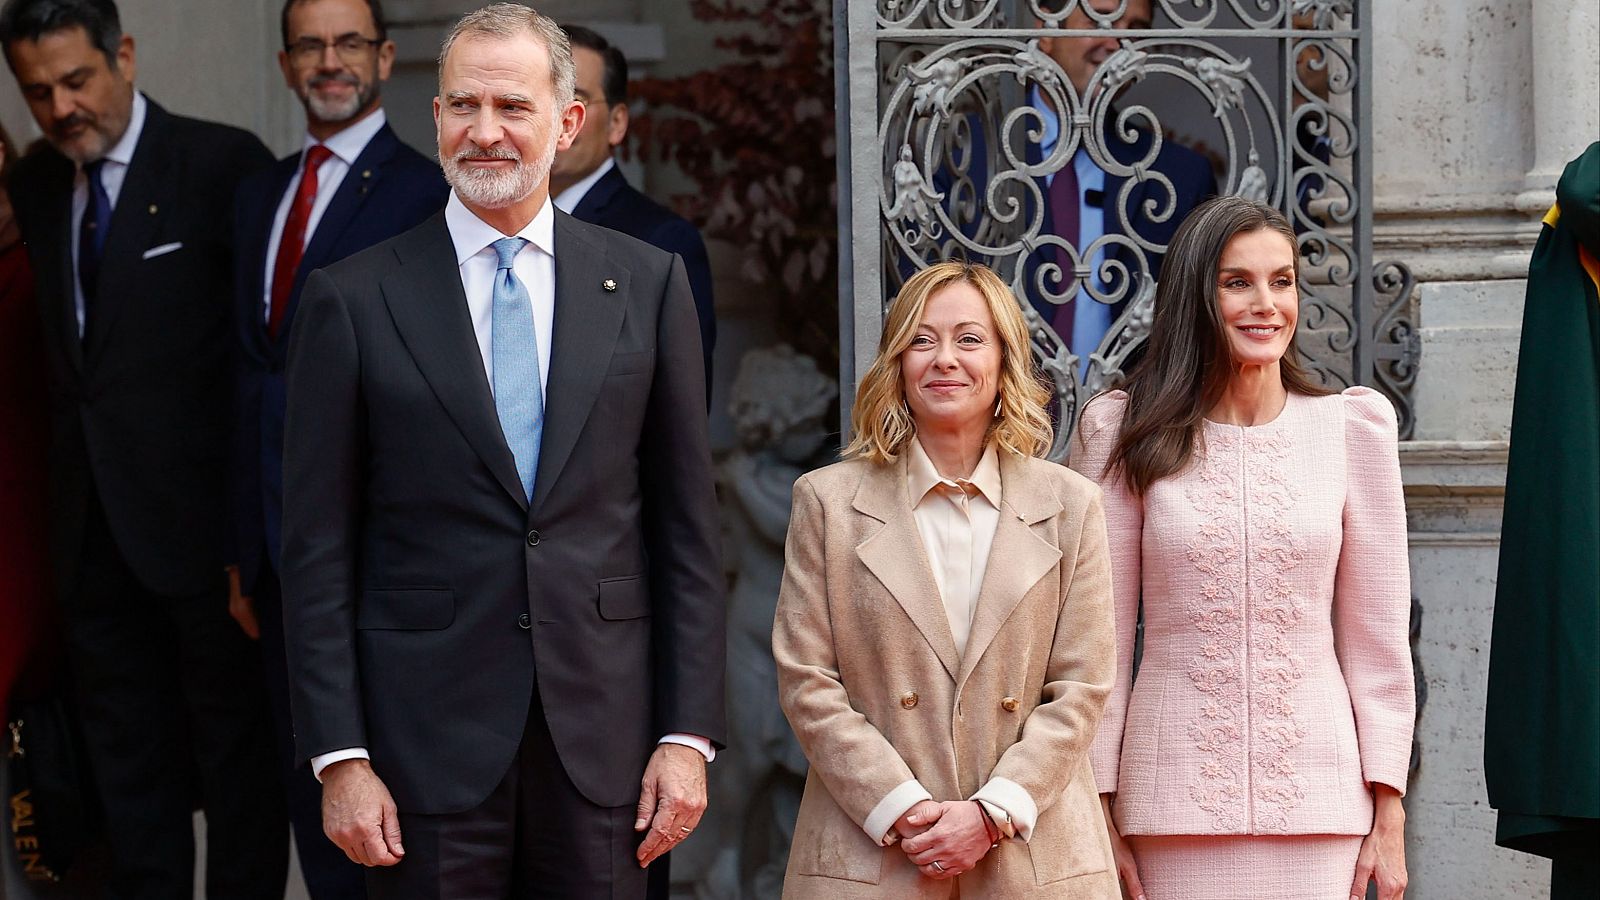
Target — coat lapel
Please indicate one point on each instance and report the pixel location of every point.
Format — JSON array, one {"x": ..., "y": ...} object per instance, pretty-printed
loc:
[
  {"x": 357, "y": 186},
  {"x": 588, "y": 319},
  {"x": 429, "y": 308},
  {"x": 134, "y": 221},
  {"x": 266, "y": 200},
  {"x": 894, "y": 554},
  {"x": 593, "y": 205},
  {"x": 57, "y": 280},
  {"x": 1018, "y": 559}
]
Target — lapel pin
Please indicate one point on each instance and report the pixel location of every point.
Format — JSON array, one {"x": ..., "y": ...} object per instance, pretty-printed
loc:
[
  {"x": 152, "y": 209},
  {"x": 610, "y": 284},
  {"x": 366, "y": 173}
]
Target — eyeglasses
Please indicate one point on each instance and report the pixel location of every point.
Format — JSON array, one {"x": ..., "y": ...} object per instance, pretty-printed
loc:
[{"x": 351, "y": 48}]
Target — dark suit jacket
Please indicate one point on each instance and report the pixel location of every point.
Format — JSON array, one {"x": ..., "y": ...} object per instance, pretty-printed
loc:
[
  {"x": 389, "y": 189},
  {"x": 1190, "y": 174},
  {"x": 615, "y": 204},
  {"x": 140, "y": 408},
  {"x": 425, "y": 598}
]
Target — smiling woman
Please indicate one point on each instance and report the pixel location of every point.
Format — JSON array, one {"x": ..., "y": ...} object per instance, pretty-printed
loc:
[
  {"x": 943, "y": 633},
  {"x": 1257, "y": 528}
]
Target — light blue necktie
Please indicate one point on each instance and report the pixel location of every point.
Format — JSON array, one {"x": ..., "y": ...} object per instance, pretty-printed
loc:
[{"x": 517, "y": 396}]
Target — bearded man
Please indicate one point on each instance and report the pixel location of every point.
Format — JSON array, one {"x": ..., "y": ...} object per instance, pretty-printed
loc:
[
  {"x": 502, "y": 594},
  {"x": 351, "y": 185}
]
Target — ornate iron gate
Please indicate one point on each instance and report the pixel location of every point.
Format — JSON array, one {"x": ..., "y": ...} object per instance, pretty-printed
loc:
[{"x": 943, "y": 104}]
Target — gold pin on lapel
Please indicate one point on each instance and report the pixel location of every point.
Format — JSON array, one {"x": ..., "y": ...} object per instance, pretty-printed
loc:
[
  {"x": 152, "y": 209},
  {"x": 610, "y": 284}
]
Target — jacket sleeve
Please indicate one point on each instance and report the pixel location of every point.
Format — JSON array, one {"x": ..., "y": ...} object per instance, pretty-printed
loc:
[
  {"x": 1124, "y": 517},
  {"x": 683, "y": 537},
  {"x": 856, "y": 762},
  {"x": 324, "y": 445},
  {"x": 1083, "y": 662},
  {"x": 1372, "y": 592}
]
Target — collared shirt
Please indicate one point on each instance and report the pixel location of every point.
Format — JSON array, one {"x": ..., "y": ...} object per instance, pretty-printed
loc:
[
  {"x": 1090, "y": 320},
  {"x": 346, "y": 147},
  {"x": 568, "y": 200},
  {"x": 535, "y": 267},
  {"x": 956, "y": 518},
  {"x": 112, "y": 174}
]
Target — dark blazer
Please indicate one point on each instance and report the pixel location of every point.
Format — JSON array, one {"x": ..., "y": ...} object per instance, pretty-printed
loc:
[
  {"x": 1190, "y": 174},
  {"x": 424, "y": 597},
  {"x": 140, "y": 407},
  {"x": 615, "y": 204},
  {"x": 389, "y": 189}
]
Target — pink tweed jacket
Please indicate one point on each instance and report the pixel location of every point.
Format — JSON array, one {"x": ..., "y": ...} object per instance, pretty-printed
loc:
[{"x": 1276, "y": 679}]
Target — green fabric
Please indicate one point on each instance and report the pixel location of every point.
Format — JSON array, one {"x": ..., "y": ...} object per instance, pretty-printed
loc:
[{"x": 1542, "y": 736}]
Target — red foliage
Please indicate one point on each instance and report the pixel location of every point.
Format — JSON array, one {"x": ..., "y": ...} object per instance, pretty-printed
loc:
[{"x": 756, "y": 135}]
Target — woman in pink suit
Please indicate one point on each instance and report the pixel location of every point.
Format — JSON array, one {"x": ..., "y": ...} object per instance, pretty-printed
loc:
[{"x": 1262, "y": 750}]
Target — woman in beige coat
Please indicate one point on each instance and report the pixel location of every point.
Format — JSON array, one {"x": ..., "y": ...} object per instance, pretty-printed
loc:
[{"x": 944, "y": 632}]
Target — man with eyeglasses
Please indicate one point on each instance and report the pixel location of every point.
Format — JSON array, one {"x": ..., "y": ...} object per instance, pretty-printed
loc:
[
  {"x": 125, "y": 216},
  {"x": 586, "y": 183},
  {"x": 351, "y": 185}
]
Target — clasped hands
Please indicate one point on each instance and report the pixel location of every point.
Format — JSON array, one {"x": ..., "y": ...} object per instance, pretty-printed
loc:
[{"x": 945, "y": 839}]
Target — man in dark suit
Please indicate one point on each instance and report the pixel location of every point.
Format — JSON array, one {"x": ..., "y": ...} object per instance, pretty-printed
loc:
[
  {"x": 502, "y": 594},
  {"x": 125, "y": 216},
  {"x": 1083, "y": 202},
  {"x": 586, "y": 182},
  {"x": 352, "y": 185}
]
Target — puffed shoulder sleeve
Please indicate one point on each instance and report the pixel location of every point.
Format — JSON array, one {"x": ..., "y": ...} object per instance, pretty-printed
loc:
[
  {"x": 1098, "y": 429},
  {"x": 1372, "y": 591}
]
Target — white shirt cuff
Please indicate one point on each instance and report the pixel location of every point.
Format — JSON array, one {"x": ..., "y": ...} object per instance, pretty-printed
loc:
[
  {"x": 1014, "y": 799},
  {"x": 318, "y": 763},
  {"x": 692, "y": 740},
  {"x": 889, "y": 810}
]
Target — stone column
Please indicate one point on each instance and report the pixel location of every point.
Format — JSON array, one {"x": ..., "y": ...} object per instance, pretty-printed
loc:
[{"x": 1566, "y": 83}]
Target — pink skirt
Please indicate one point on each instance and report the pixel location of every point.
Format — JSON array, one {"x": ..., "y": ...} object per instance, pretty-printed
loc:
[{"x": 1258, "y": 867}]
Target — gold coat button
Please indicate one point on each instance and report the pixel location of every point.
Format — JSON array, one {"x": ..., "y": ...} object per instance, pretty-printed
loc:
[
  {"x": 1009, "y": 704},
  {"x": 909, "y": 699}
]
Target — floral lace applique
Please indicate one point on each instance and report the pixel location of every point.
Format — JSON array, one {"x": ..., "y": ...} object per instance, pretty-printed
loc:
[{"x": 1218, "y": 611}]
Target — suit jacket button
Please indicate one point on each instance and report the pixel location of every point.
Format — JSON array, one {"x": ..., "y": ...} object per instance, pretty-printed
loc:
[
  {"x": 525, "y": 622},
  {"x": 533, "y": 539},
  {"x": 1009, "y": 704},
  {"x": 909, "y": 700}
]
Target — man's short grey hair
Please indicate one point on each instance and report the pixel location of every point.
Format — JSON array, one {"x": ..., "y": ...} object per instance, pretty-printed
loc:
[{"x": 509, "y": 20}]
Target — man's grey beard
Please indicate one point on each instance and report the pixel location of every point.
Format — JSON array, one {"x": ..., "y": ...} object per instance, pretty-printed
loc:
[
  {"x": 334, "y": 111},
  {"x": 493, "y": 189}
]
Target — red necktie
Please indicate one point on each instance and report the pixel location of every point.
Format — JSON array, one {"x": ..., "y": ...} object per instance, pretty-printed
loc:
[
  {"x": 292, "y": 245},
  {"x": 1064, "y": 213}
]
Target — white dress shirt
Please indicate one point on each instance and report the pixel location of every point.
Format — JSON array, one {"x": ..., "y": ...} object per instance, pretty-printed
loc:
[
  {"x": 112, "y": 174},
  {"x": 346, "y": 147},
  {"x": 535, "y": 267},
  {"x": 568, "y": 200},
  {"x": 956, "y": 520},
  {"x": 1090, "y": 319}
]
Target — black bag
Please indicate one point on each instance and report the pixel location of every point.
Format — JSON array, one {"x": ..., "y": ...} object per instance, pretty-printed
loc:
[{"x": 51, "y": 806}]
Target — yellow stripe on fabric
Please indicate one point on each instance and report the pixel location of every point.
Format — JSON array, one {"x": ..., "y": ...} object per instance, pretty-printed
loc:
[
  {"x": 1553, "y": 216},
  {"x": 1590, "y": 265}
]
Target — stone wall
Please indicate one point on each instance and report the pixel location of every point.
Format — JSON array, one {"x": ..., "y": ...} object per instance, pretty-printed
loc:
[{"x": 1499, "y": 96}]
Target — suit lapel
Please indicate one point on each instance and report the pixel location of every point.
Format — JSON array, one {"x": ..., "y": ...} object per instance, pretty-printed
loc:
[
  {"x": 140, "y": 206},
  {"x": 588, "y": 319},
  {"x": 1018, "y": 559},
  {"x": 593, "y": 205},
  {"x": 429, "y": 308},
  {"x": 895, "y": 555},
  {"x": 357, "y": 186},
  {"x": 257, "y": 239},
  {"x": 57, "y": 279}
]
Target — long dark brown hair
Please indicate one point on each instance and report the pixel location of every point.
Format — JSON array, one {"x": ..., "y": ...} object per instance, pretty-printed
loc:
[{"x": 1187, "y": 362}]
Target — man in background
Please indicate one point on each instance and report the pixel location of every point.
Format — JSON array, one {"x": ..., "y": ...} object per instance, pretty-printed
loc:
[
  {"x": 351, "y": 185},
  {"x": 588, "y": 185},
  {"x": 1082, "y": 200},
  {"x": 125, "y": 217}
]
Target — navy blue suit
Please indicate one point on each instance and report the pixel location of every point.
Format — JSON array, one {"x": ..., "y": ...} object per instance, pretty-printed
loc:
[
  {"x": 613, "y": 203},
  {"x": 1192, "y": 182},
  {"x": 389, "y": 189}
]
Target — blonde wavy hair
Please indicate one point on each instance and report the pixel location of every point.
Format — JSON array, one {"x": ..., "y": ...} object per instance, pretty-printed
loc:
[{"x": 881, "y": 416}]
